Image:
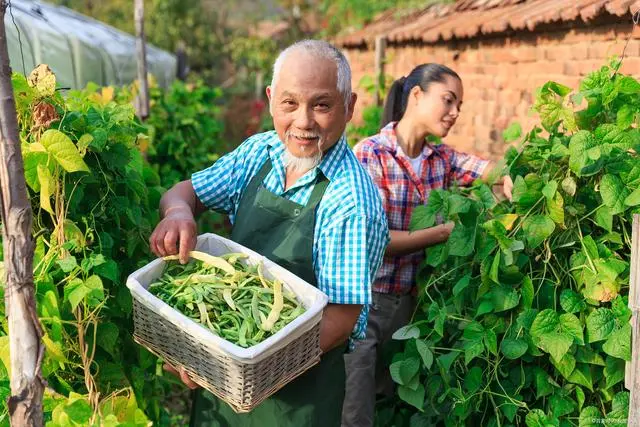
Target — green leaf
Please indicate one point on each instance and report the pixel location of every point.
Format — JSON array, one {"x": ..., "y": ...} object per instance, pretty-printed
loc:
[
  {"x": 47, "y": 188},
  {"x": 32, "y": 160},
  {"x": 491, "y": 341},
  {"x": 586, "y": 355},
  {"x": 458, "y": 204},
  {"x": 561, "y": 405},
  {"x": 549, "y": 190},
  {"x": 544, "y": 387},
  {"x": 628, "y": 85},
  {"x": 95, "y": 294},
  {"x": 425, "y": 353},
  {"x": 414, "y": 398},
  {"x": 424, "y": 216},
  {"x": 472, "y": 349},
  {"x": 403, "y": 371},
  {"x": 461, "y": 284},
  {"x": 613, "y": 371},
  {"x": 108, "y": 337},
  {"x": 486, "y": 306},
  {"x": 473, "y": 379},
  {"x": 620, "y": 309},
  {"x": 604, "y": 218},
  {"x": 582, "y": 376},
  {"x": 600, "y": 324},
  {"x": 580, "y": 397},
  {"x": 537, "y": 418},
  {"x": 625, "y": 116},
  {"x": 462, "y": 240},
  {"x": 406, "y": 333},
  {"x": 79, "y": 411},
  {"x": 633, "y": 199},
  {"x": 565, "y": 366},
  {"x": 555, "y": 207},
  {"x": 571, "y": 301},
  {"x": 619, "y": 343},
  {"x": 546, "y": 321},
  {"x": 557, "y": 344},
  {"x": 590, "y": 417},
  {"x": 513, "y": 132},
  {"x": 579, "y": 145},
  {"x": 63, "y": 150},
  {"x": 513, "y": 348},
  {"x": 504, "y": 298},
  {"x": 613, "y": 193},
  {"x": 447, "y": 359},
  {"x": 527, "y": 292},
  {"x": 570, "y": 324},
  {"x": 537, "y": 229},
  {"x": 68, "y": 263},
  {"x": 495, "y": 268},
  {"x": 108, "y": 270},
  {"x": 619, "y": 413}
]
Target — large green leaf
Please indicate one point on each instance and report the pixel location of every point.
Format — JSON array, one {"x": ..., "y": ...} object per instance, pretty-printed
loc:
[
  {"x": 425, "y": 353},
  {"x": 590, "y": 417},
  {"x": 403, "y": 371},
  {"x": 47, "y": 187},
  {"x": 32, "y": 160},
  {"x": 63, "y": 150},
  {"x": 579, "y": 145},
  {"x": 618, "y": 344},
  {"x": 537, "y": 229},
  {"x": 614, "y": 193},
  {"x": 600, "y": 324},
  {"x": 571, "y": 301},
  {"x": 462, "y": 240},
  {"x": 513, "y": 348},
  {"x": 613, "y": 371},
  {"x": 582, "y": 376},
  {"x": 414, "y": 398}
]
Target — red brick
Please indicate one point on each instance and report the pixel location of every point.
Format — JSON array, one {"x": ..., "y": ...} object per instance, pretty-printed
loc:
[
  {"x": 526, "y": 53},
  {"x": 572, "y": 68},
  {"x": 557, "y": 52},
  {"x": 631, "y": 66},
  {"x": 604, "y": 50},
  {"x": 509, "y": 97},
  {"x": 579, "y": 50}
]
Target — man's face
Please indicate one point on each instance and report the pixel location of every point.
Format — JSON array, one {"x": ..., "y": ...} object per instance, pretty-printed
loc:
[{"x": 308, "y": 111}]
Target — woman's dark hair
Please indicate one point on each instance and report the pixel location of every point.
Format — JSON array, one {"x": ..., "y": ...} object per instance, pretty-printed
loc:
[{"x": 423, "y": 75}]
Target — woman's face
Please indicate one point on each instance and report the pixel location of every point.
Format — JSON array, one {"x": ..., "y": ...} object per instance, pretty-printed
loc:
[{"x": 437, "y": 109}]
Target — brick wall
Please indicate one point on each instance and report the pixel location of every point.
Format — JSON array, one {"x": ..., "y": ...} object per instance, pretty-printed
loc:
[{"x": 500, "y": 74}]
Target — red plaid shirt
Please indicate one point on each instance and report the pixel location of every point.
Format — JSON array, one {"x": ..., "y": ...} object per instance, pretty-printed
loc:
[{"x": 402, "y": 190}]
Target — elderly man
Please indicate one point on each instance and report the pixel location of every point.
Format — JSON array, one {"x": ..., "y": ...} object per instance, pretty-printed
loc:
[{"x": 298, "y": 196}]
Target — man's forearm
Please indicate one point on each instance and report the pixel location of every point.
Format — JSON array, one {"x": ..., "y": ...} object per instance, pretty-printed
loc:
[
  {"x": 337, "y": 324},
  {"x": 180, "y": 197}
]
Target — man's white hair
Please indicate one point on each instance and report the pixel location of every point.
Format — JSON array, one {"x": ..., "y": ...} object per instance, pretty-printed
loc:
[{"x": 319, "y": 49}]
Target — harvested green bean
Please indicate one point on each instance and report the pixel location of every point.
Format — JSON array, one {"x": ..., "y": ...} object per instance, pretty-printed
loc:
[{"x": 233, "y": 300}]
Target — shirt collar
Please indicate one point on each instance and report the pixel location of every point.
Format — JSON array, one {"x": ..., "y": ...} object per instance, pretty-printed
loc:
[{"x": 389, "y": 140}]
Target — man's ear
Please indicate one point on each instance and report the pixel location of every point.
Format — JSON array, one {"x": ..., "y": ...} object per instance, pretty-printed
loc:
[
  {"x": 269, "y": 93},
  {"x": 351, "y": 106}
]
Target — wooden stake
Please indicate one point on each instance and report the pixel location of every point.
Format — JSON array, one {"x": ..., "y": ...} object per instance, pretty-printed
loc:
[
  {"x": 25, "y": 332},
  {"x": 381, "y": 44},
  {"x": 142, "y": 103},
  {"x": 632, "y": 376}
]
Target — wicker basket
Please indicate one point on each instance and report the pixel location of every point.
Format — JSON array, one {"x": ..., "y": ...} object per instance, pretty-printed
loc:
[{"x": 242, "y": 377}]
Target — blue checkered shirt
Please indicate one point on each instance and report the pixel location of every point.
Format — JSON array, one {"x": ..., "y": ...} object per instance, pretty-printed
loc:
[{"x": 351, "y": 229}]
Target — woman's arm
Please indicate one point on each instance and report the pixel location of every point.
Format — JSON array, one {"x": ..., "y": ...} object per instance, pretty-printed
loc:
[{"x": 407, "y": 242}]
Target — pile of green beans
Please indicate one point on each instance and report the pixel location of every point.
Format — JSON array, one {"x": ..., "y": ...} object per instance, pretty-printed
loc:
[{"x": 233, "y": 300}]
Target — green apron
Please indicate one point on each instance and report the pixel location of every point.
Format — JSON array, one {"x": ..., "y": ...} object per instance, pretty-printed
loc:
[{"x": 282, "y": 231}]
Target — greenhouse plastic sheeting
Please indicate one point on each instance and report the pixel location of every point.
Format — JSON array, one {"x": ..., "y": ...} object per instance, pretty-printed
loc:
[{"x": 78, "y": 49}]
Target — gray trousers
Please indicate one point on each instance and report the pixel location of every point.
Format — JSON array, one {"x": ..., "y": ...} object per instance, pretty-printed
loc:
[{"x": 366, "y": 374}]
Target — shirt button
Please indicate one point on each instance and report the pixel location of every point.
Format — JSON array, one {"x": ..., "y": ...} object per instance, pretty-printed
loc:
[{"x": 296, "y": 211}]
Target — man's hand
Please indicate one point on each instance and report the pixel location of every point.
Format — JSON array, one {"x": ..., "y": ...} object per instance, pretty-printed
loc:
[
  {"x": 178, "y": 227},
  {"x": 182, "y": 374}
]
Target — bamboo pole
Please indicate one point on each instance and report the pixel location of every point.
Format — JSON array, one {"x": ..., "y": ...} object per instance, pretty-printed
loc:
[
  {"x": 25, "y": 332},
  {"x": 143, "y": 94},
  {"x": 632, "y": 376}
]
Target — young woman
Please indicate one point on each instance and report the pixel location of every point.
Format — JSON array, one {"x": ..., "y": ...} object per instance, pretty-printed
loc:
[{"x": 406, "y": 167}]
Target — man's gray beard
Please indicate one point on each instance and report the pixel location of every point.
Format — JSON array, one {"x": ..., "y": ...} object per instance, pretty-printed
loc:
[{"x": 301, "y": 164}]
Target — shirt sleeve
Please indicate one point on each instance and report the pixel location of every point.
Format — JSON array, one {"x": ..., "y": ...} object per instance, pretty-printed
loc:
[
  {"x": 348, "y": 257},
  {"x": 465, "y": 168},
  {"x": 369, "y": 159},
  {"x": 219, "y": 186}
]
